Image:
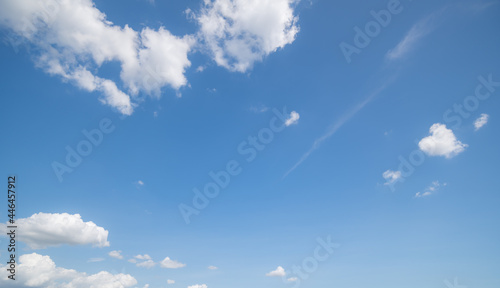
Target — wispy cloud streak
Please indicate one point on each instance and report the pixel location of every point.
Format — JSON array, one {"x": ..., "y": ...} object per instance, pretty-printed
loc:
[{"x": 338, "y": 124}]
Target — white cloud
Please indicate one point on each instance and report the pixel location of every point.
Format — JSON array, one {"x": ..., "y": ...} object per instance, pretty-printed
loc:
[
  {"x": 279, "y": 272},
  {"x": 481, "y": 121},
  {"x": 198, "y": 286},
  {"x": 292, "y": 119},
  {"x": 259, "y": 109},
  {"x": 35, "y": 270},
  {"x": 441, "y": 142},
  {"x": 147, "y": 264},
  {"x": 212, "y": 268},
  {"x": 169, "y": 281},
  {"x": 132, "y": 260},
  {"x": 93, "y": 260},
  {"x": 416, "y": 33},
  {"x": 391, "y": 176},
  {"x": 116, "y": 254},
  {"x": 140, "y": 182},
  {"x": 292, "y": 279},
  {"x": 239, "y": 33},
  {"x": 73, "y": 39},
  {"x": 171, "y": 264},
  {"x": 143, "y": 257},
  {"x": 42, "y": 230},
  {"x": 434, "y": 187}
]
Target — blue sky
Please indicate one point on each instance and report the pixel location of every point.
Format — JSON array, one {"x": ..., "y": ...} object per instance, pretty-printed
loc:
[{"x": 385, "y": 150}]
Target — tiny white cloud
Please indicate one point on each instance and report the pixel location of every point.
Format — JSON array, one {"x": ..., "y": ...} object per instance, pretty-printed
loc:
[
  {"x": 146, "y": 264},
  {"x": 93, "y": 260},
  {"x": 140, "y": 182},
  {"x": 169, "y": 281},
  {"x": 116, "y": 254},
  {"x": 391, "y": 176},
  {"x": 212, "y": 268},
  {"x": 481, "y": 121},
  {"x": 198, "y": 286},
  {"x": 143, "y": 257},
  {"x": 434, "y": 187},
  {"x": 171, "y": 264},
  {"x": 292, "y": 119},
  {"x": 279, "y": 272},
  {"x": 441, "y": 142},
  {"x": 292, "y": 279}
]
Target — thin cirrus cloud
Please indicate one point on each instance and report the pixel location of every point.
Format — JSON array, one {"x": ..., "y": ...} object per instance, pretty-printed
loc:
[
  {"x": 339, "y": 123},
  {"x": 73, "y": 39},
  {"x": 43, "y": 230},
  {"x": 418, "y": 31},
  {"x": 238, "y": 33},
  {"x": 441, "y": 142},
  {"x": 481, "y": 121},
  {"x": 35, "y": 270}
]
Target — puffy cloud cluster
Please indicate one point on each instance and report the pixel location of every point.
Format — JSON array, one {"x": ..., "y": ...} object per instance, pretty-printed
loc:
[
  {"x": 42, "y": 230},
  {"x": 73, "y": 39},
  {"x": 35, "y": 270},
  {"x": 240, "y": 32}
]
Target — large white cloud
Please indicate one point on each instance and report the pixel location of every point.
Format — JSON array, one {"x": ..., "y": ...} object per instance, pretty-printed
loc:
[
  {"x": 42, "y": 230},
  {"x": 441, "y": 142},
  {"x": 35, "y": 270},
  {"x": 240, "y": 32},
  {"x": 73, "y": 39}
]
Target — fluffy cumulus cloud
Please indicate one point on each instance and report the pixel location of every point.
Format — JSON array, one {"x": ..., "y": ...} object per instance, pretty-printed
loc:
[
  {"x": 35, "y": 270},
  {"x": 441, "y": 142},
  {"x": 279, "y": 272},
  {"x": 73, "y": 39},
  {"x": 42, "y": 230},
  {"x": 171, "y": 264},
  {"x": 481, "y": 121},
  {"x": 240, "y": 32}
]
